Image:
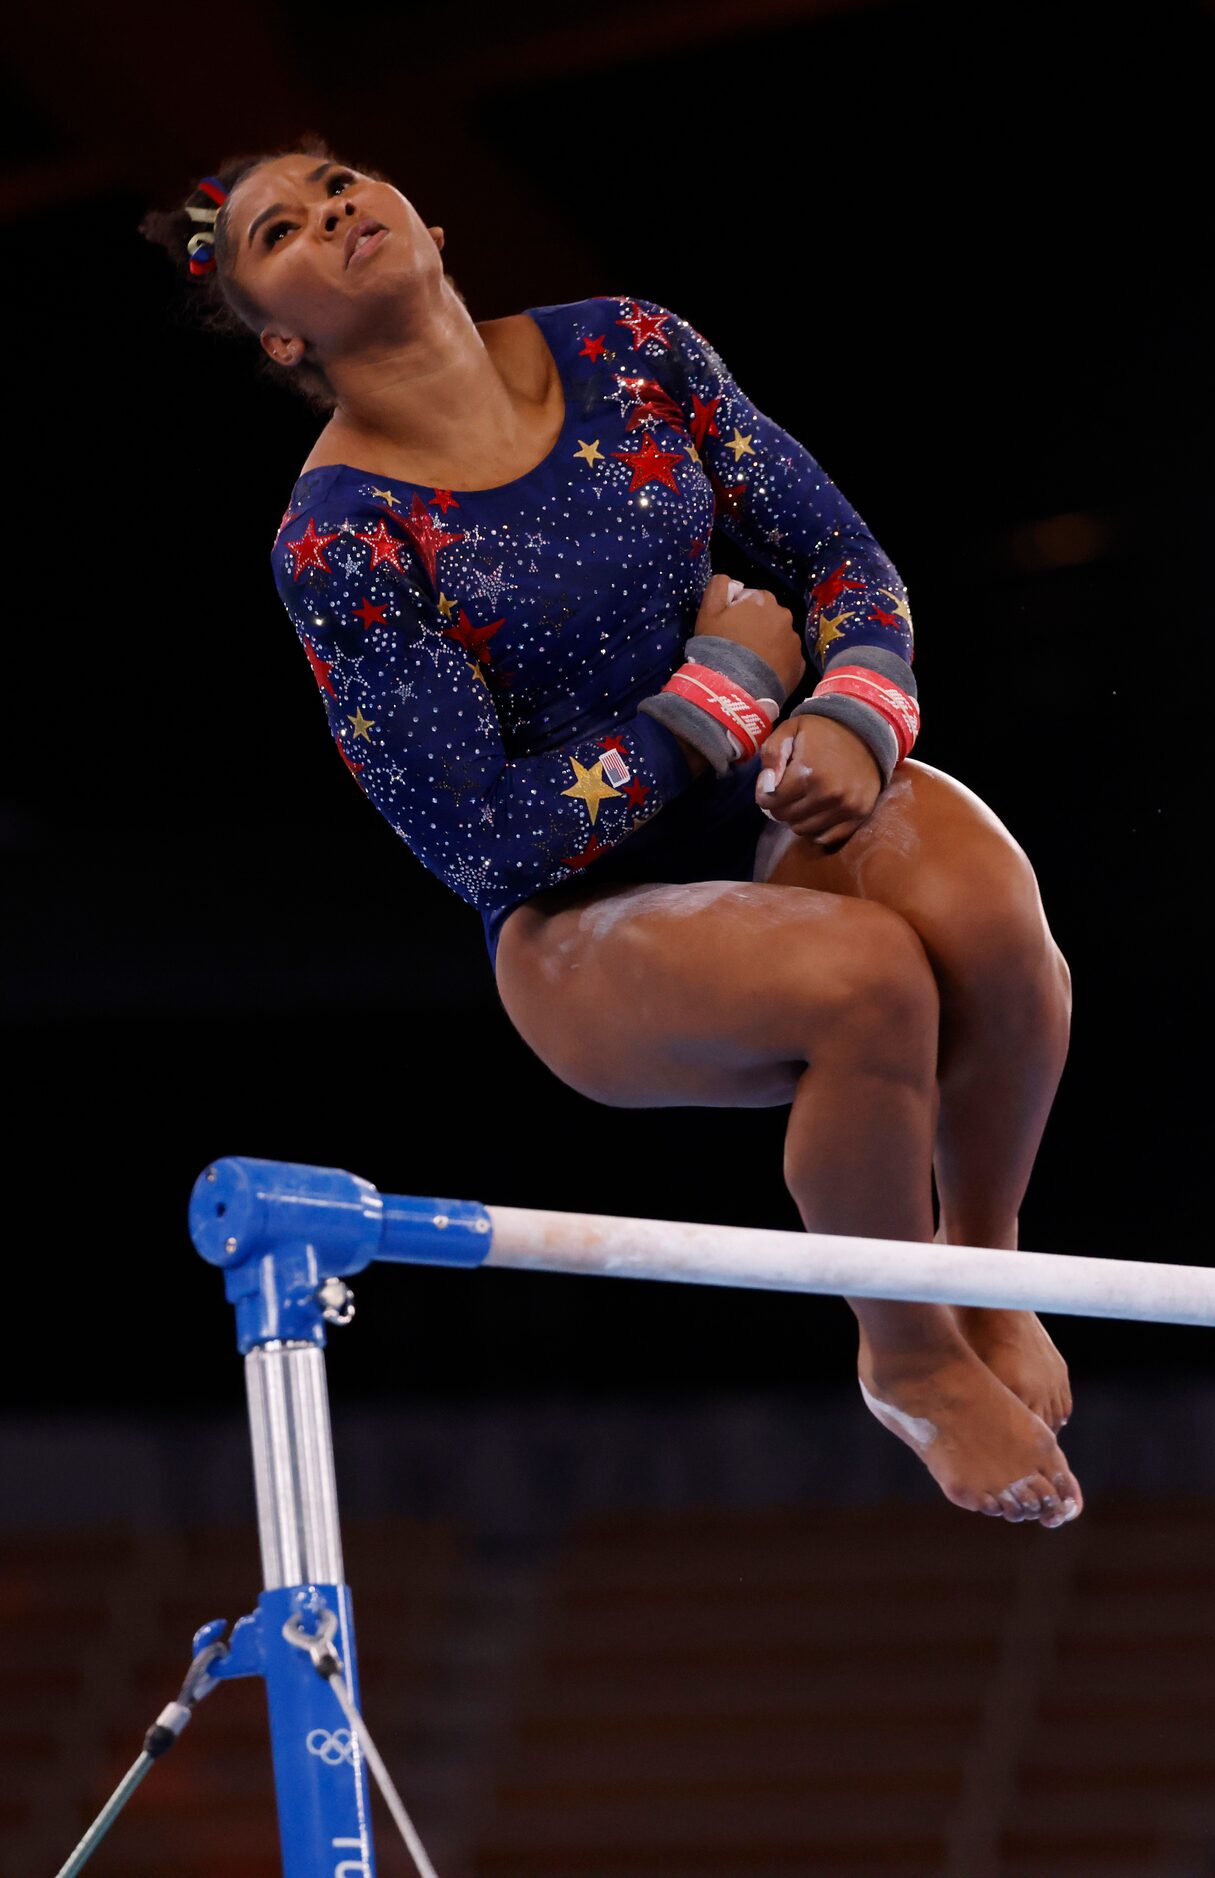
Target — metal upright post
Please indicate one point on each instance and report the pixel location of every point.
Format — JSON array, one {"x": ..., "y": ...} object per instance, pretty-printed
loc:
[
  {"x": 297, "y": 1516},
  {"x": 319, "y": 1777},
  {"x": 283, "y": 1299}
]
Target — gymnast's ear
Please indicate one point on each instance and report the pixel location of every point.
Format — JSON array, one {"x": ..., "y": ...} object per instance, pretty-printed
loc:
[
  {"x": 436, "y": 235},
  {"x": 286, "y": 349}
]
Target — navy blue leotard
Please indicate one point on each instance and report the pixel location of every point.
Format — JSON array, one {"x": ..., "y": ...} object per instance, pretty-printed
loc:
[{"x": 481, "y": 653}]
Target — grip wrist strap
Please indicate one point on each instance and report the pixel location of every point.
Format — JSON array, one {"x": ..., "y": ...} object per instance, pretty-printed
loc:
[{"x": 745, "y": 718}]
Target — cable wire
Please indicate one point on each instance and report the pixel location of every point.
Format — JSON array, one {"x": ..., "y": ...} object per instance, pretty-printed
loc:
[
  {"x": 165, "y": 1730},
  {"x": 327, "y": 1663},
  {"x": 106, "y": 1817},
  {"x": 392, "y": 1799}
]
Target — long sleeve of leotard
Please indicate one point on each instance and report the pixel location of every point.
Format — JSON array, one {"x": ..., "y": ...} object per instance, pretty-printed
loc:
[
  {"x": 405, "y": 678},
  {"x": 778, "y": 504}
]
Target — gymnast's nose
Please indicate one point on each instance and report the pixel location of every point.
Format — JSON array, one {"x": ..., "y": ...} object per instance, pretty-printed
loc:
[{"x": 332, "y": 216}]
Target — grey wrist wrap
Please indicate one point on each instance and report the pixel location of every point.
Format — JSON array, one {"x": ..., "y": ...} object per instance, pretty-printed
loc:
[
  {"x": 695, "y": 726},
  {"x": 870, "y": 726}
]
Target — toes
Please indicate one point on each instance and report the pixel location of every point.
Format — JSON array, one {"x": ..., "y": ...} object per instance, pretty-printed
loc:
[
  {"x": 1069, "y": 1486},
  {"x": 1070, "y": 1502},
  {"x": 976, "y": 1501},
  {"x": 1027, "y": 1494},
  {"x": 1065, "y": 1398},
  {"x": 1034, "y": 1497}
]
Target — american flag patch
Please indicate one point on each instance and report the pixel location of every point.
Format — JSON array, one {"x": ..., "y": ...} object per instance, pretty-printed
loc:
[{"x": 614, "y": 767}]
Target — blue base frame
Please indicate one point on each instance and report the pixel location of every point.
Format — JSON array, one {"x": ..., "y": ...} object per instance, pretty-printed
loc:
[{"x": 320, "y": 1777}]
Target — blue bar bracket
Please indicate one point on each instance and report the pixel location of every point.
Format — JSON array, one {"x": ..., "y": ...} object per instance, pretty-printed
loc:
[
  {"x": 319, "y": 1780},
  {"x": 285, "y": 1234}
]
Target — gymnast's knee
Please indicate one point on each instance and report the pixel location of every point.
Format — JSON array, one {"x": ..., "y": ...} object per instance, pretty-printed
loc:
[
  {"x": 985, "y": 927},
  {"x": 883, "y": 1014}
]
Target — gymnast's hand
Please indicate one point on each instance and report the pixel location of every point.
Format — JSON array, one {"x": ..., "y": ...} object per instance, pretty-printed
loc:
[
  {"x": 755, "y": 619},
  {"x": 819, "y": 778}
]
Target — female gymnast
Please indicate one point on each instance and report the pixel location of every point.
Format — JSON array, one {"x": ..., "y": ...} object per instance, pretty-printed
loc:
[{"x": 497, "y": 558}]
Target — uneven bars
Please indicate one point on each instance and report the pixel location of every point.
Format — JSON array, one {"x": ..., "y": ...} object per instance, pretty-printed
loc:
[
  {"x": 288, "y": 1235},
  {"x": 245, "y": 1210},
  {"x": 755, "y": 1258}
]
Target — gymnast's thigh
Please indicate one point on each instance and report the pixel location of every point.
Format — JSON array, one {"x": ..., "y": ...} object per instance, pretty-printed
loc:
[{"x": 714, "y": 993}]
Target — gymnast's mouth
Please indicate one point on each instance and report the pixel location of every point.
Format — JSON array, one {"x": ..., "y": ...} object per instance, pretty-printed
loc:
[{"x": 364, "y": 234}]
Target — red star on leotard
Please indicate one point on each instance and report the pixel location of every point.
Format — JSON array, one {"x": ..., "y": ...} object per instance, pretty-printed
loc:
[
  {"x": 371, "y": 615},
  {"x": 613, "y": 743},
  {"x": 832, "y": 586},
  {"x": 883, "y": 618},
  {"x": 320, "y": 668},
  {"x": 726, "y": 497},
  {"x": 307, "y": 549},
  {"x": 425, "y": 533},
  {"x": 473, "y": 638},
  {"x": 650, "y": 464},
  {"x": 591, "y": 348},
  {"x": 704, "y": 423},
  {"x": 349, "y": 761},
  {"x": 384, "y": 547},
  {"x": 444, "y": 500},
  {"x": 653, "y": 401},
  {"x": 637, "y": 792},
  {"x": 593, "y": 849},
  {"x": 645, "y": 326}
]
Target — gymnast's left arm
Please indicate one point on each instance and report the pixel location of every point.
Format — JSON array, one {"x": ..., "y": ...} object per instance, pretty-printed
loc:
[{"x": 777, "y": 503}]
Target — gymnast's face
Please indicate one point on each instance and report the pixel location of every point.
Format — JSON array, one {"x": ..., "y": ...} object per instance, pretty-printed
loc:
[{"x": 329, "y": 256}]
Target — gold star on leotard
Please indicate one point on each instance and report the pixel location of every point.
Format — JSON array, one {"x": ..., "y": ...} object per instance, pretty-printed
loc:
[
  {"x": 387, "y": 496},
  {"x": 829, "y": 629},
  {"x": 590, "y": 786},
  {"x": 589, "y": 451},
  {"x": 901, "y": 608},
  {"x": 361, "y": 724},
  {"x": 446, "y": 606},
  {"x": 740, "y": 445}
]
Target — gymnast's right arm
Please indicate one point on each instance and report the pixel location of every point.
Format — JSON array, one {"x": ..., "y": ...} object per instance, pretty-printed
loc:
[{"x": 406, "y": 686}]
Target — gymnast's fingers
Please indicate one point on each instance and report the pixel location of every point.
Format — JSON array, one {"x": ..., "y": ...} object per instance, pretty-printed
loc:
[
  {"x": 809, "y": 816},
  {"x": 775, "y": 754},
  {"x": 833, "y": 838}
]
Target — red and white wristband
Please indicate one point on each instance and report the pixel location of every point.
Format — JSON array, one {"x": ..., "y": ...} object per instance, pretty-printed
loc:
[
  {"x": 746, "y": 720},
  {"x": 872, "y": 692},
  {"x": 889, "y": 700},
  {"x": 723, "y": 700}
]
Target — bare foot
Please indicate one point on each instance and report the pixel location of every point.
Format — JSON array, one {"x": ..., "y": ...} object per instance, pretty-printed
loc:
[
  {"x": 984, "y": 1448},
  {"x": 1016, "y": 1347}
]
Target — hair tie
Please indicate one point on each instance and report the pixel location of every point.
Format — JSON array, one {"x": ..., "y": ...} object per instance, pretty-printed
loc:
[{"x": 201, "y": 245}]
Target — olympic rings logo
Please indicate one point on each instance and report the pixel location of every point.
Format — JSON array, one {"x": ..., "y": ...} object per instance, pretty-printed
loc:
[{"x": 333, "y": 1748}]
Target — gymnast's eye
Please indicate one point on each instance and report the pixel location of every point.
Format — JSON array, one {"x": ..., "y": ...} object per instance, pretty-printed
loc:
[{"x": 340, "y": 177}]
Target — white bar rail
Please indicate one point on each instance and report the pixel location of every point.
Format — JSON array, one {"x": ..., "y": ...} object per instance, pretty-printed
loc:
[{"x": 529, "y": 1239}]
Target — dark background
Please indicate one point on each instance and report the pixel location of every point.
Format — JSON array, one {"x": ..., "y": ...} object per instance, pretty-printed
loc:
[{"x": 972, "y": 274}]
